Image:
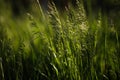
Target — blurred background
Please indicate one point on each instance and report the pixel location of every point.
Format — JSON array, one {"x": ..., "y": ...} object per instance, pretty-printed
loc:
[{"x": 22, "y": 6}]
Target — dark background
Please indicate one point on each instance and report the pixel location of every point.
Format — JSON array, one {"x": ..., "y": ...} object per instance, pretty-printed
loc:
[{"x": 25, "y": 5}]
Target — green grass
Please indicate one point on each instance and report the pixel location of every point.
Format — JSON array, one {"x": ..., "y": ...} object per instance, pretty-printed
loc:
[{"x": 68, "y": 46}]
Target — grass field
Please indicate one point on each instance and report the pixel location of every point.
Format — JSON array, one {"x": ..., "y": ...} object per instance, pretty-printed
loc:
[{"x": 59, "y": 46}]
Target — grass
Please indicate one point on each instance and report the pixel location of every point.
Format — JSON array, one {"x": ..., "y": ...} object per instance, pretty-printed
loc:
[{"x": 69, "y": 47}]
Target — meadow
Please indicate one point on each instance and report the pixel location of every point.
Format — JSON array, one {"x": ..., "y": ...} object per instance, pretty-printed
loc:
[{"x": 72, "y": 45}]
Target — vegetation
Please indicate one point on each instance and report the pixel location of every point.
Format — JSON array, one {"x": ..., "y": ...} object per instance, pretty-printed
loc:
[{"x": 73, "y": 45}]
